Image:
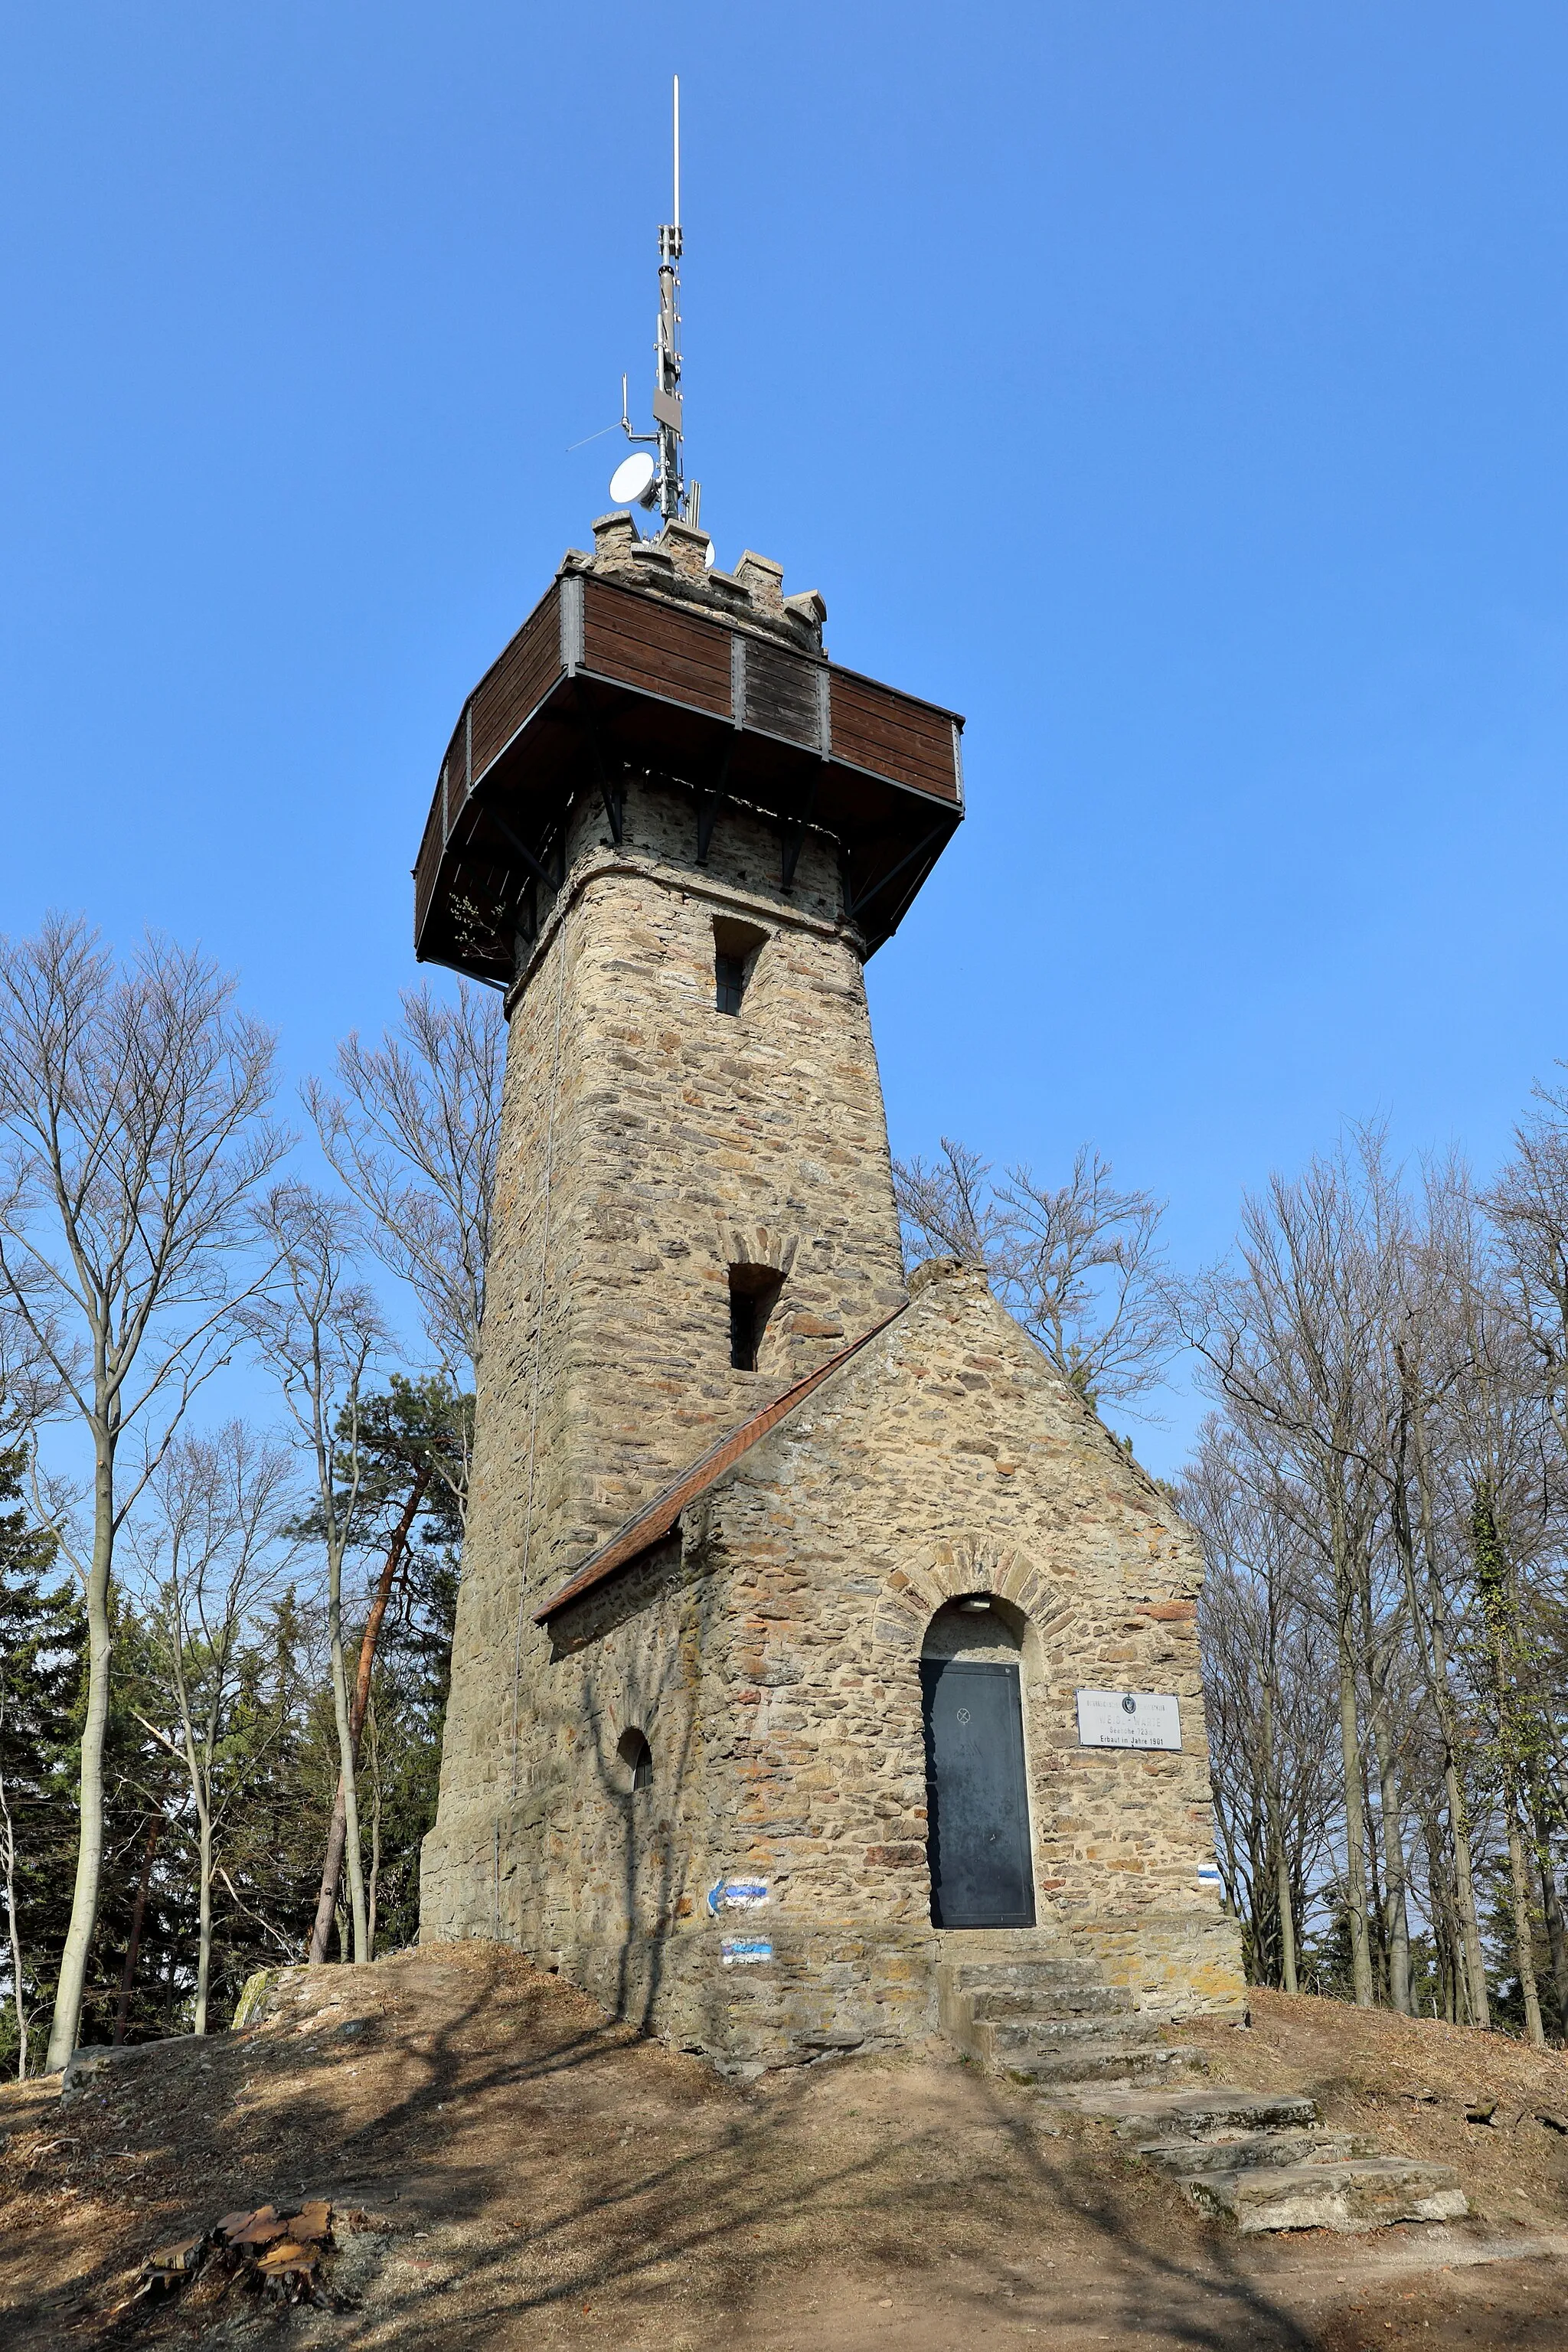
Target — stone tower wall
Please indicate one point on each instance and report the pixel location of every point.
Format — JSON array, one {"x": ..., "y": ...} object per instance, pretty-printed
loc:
[
  {"x": 770, "y": 1652},
  {"x": 648, "y": 1142}
]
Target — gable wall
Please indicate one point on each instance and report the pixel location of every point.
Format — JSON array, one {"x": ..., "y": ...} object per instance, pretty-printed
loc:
[
  {"x": 950, "y": 1459},
  {"x": 771, "y": 1651}
]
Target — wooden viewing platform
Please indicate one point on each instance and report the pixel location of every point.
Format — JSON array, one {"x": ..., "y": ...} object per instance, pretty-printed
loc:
[{"x": 604, "y": 680}]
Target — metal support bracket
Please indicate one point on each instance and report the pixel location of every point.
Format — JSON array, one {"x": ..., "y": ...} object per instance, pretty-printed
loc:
[
  {"x": 852, "y": 907},
  {"x": 611, "y": 776},
  {"x": 711, "y": 799},
  {"x": 541, "y": 873},
  {"x": 525, "y": 921},
  {"x": 793, "y": 831}
]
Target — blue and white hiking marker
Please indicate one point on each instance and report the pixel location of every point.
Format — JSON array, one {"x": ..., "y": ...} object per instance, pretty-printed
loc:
[
  {"x": 737, "y": 1895},
  {"x": 744, "y": 1951}
]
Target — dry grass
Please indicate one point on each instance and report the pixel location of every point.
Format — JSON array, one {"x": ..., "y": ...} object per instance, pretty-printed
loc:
[
  {"x": 1409, "y": 2082},
  {"x": 540, "y": 2178}
]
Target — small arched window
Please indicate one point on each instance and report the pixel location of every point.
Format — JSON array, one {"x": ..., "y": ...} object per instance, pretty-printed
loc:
[
  {"x": 753, "y": 1294},
  {"x": 637, "y": 1757}
]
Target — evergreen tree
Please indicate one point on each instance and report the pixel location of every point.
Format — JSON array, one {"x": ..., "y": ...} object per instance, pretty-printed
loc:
[{"x": 41, "y": 1636}]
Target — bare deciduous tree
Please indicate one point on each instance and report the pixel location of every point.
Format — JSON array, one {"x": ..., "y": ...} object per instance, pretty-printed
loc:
[
  {"x": 206, "y": 1547},
  {"x": 131, "y": 1110},
  {"x": 1078, "y": 1263},
  {"x": 1267, "y": 1685},
  {"x": 413, "y": 1137},
  {"x": 1290, "y": 1336},
  {"x": 320, "y": 1330}
]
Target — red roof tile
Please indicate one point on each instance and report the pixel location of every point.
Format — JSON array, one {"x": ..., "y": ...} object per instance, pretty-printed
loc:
[{"x": 656, "y": 1519}]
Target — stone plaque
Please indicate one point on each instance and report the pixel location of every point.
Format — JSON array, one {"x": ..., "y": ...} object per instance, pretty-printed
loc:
[{"x": 1128, "y": 1719}]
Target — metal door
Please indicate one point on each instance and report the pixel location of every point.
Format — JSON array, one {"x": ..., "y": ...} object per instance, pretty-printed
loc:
[{"x": 977, "y": 1798}]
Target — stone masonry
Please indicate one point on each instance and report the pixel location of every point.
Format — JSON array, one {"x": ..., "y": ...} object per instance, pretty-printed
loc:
[{"x": 765, "y": 1641}]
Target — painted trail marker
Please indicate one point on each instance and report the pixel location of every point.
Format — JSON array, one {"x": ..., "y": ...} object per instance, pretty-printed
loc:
[
  {"x": 1128, "y": 1719},
  {"x": 744, "y": 1951},
  {"x": 737, "y": 1895}
]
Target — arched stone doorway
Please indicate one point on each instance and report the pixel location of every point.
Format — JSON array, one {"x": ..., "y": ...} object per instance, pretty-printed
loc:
[{"x": 977, "y": 1795}]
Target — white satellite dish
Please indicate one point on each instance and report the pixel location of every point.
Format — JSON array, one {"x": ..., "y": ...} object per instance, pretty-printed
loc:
[{"x": 632, "y": 479}]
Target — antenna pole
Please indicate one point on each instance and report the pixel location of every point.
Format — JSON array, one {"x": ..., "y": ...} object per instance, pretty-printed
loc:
[{"x": 667, "y": 400}]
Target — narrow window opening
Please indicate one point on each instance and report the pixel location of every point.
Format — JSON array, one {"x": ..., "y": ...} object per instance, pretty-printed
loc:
[
  {"x": 637, "y": 1757},
  {"x": 736, "y": 947},
  {"x": 753, "y": 1294},
  {"x": 730, "y": 974}
]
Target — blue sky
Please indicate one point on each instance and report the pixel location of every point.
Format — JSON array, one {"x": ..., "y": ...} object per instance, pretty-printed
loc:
[{"x": 1176, "y": 390}]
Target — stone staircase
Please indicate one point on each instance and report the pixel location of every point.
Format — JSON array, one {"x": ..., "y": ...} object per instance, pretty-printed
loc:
[
  {"x": 1051, "y": 2019},
  {"x": 1267, "y": 2161},
  {"x": 1263, "y": 2158}
]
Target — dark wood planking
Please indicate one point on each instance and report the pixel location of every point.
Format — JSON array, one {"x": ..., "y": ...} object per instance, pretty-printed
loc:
[
  {"x": 883, "y": 745},
  {"x": 875, "y": 728},
  {"x": 661, "y": 655},
  {"x": 427, "y": 866},
  {"x": 632, "y": 639},
  {"x": 518, "y": 682},
  {"x": 781, "y": 693},
  {"x": 452, "y": 768}
]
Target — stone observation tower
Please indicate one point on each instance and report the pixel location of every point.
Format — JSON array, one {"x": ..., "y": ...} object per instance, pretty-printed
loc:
[{"x": 784, "y": 1588}]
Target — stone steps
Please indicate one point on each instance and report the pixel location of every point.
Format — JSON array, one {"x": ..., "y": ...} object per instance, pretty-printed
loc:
[
  {"x": 997, "y": 2003},
  {"x": 1250, "y": 2151},
  {"x": 1265, "y": 2161},
  {"x": 1368, "y": 2194},
  {"x": 1116, "y": 2062},
  {"x": 1049, "y": 2018},
  {"x": 1022, "y": 1972},
  {"x": 1199, "y": 2114},
  {"x": 999, "y": 2040}
]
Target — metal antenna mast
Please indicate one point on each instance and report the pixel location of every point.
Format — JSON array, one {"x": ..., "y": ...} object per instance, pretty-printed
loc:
[
  {"x": 677, "y": 501},
  {"x": 667, "y": 401}
]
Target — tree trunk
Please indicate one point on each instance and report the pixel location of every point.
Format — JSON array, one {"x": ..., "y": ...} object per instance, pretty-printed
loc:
[
  {"x": 1523, "y": 1954},
  {"x": 1349, "y": 1761},
  {"x": 1478, "y": 1998},
  {"x": 1377, "y": 1918},
  {"x": 1276, "y": 1838},
  {"x": 1556, "y": 1936},
  {"x": 205, "y": 1924},
  {"x": 72, "y": 1985},
  {"x": 375, "y": 1834},
  {"x": 346, "y": 1755},
  {"x": 13, "y": 1932},
  {"x": 1286, "y": 1921},
  {"x": 1494, "y": 1583},
  {"x": 1395, "y": 1911},
  {"x": 332, "y": 1864},
  {"x": 1445, "y": 1942},
  {"x": 138, "y": 1912},
  {"x": 1428, "y": 1627}
]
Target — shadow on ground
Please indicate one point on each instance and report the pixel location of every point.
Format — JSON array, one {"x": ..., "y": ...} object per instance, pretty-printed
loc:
[{"x": 538, "y": 2176}]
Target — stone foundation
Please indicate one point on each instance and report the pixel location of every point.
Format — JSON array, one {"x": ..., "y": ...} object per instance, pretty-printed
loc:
[{"x": 857, "y": 1985}]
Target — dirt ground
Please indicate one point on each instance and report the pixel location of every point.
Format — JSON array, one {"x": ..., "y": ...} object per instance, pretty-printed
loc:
[{"x": 520, "y": 2173}]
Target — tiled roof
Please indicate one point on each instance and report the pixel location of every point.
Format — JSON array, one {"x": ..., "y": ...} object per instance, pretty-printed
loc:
[{"x": 656, "y": 1519}]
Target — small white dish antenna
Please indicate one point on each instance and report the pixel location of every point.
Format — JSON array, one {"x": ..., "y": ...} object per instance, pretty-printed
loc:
[{"x": 632, "y": 479}]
